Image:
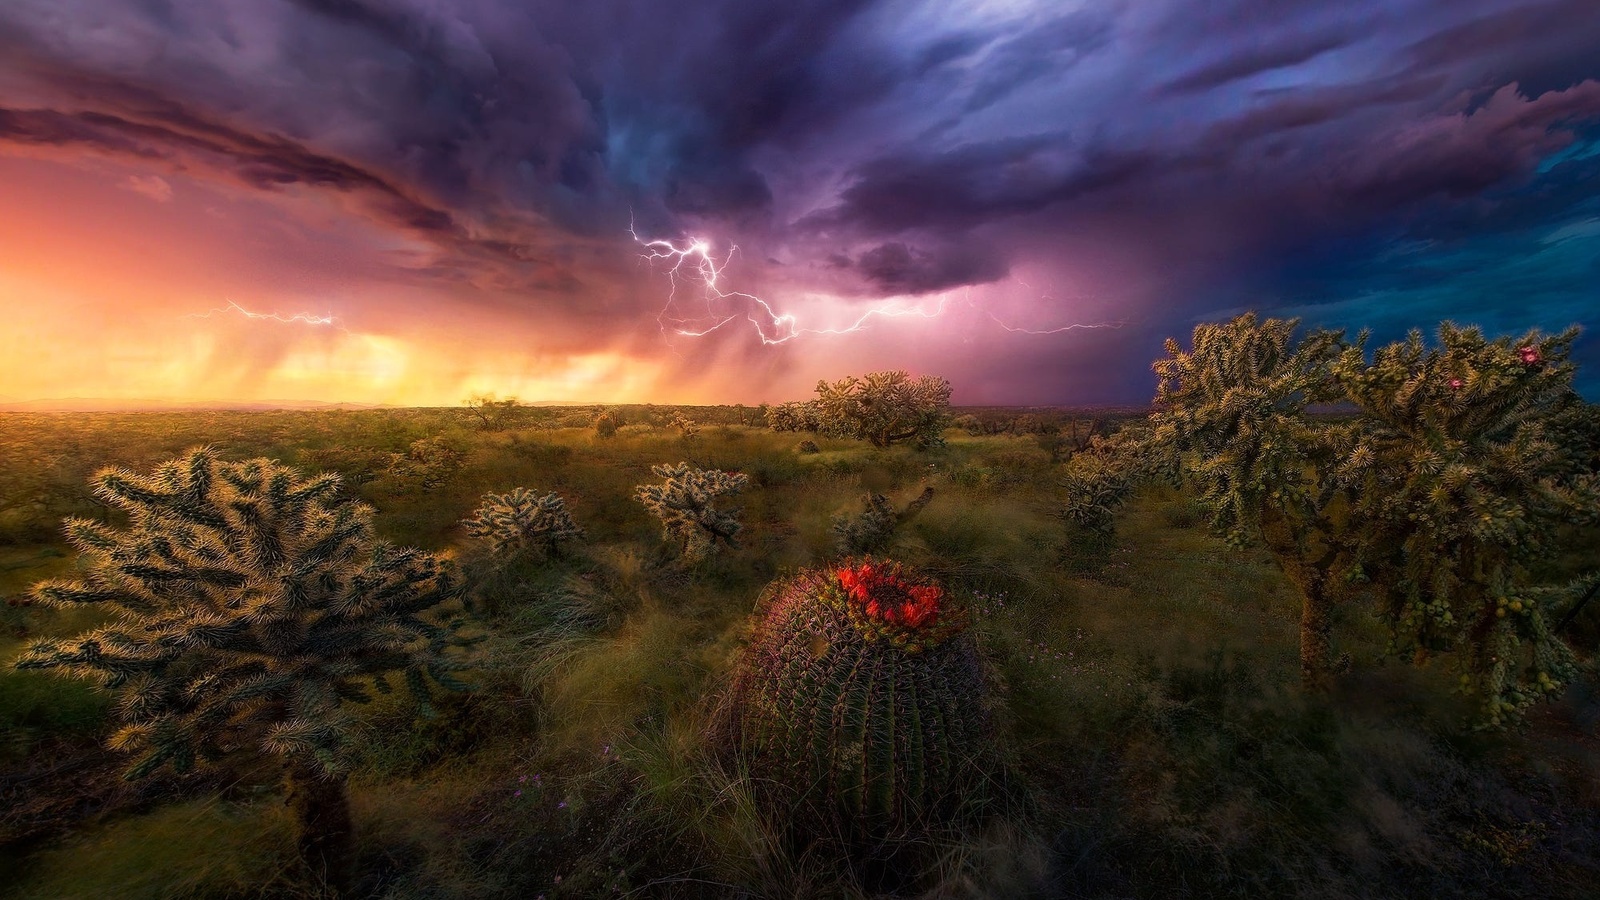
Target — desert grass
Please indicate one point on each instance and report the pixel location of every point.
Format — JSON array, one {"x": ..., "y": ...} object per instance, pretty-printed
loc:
[{"x": 1157, "y": 741}]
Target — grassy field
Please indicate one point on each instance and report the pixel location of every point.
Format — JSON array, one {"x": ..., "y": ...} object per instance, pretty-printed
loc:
[{"x": 1153, "y": 727}]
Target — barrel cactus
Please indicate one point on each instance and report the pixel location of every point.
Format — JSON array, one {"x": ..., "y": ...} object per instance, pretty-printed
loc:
[{"x": 861, "y": 703}]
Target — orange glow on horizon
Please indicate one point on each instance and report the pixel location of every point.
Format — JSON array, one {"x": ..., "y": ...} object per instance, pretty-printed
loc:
[{"x": 107, "y": 276}]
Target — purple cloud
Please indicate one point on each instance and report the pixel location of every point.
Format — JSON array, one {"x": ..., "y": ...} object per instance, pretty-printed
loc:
[{"x": 1158, "y": 160}]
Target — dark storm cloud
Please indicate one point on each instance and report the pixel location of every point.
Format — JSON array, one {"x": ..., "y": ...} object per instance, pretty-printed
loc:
[
  {"x": 1544, "y": 46},
  {"x": 874, "y": 147},
  {"x": 187, "y": 142},
  {"x": 1281, "y": 112},
  {"x": 1463, "y": 155},
  {"x": 1255, "y": 60},
  {"x": 895, "y": 268},
  {"x": 974, "y": 184},
  {"x": 404, "y": 118},
  {"x": 1048, "y": 51}
]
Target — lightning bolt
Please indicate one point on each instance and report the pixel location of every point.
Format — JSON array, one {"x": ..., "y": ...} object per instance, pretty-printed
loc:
[
  {"x": 693, "y": 260},
  {"x": 1047, "y": 295},
  {"x": 1060, "y": 330},
  {"x": 323, "y": 321}
]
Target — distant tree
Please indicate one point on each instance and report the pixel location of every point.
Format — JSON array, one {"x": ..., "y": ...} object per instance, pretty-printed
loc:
[
  {"x": 492, "y": 414},
  {"x": 685, "y": 502},
  {"x": 885, "y": 408},
  {"x": 606, "y": 423},
  {"x": 1432, "y": 499},
  {"x": 1030, "y": 423},
  {"x": 248, "y": 609},
  {"x": 1076, "y": 436}
]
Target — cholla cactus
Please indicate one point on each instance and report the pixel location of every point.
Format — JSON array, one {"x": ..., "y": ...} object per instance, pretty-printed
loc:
[
  {"x": 1451, "y": 483},
  {"x": 522, "y": 519},
  {"x": 429, "y": 461},
  {"x": 685, "y": 504},
  {"x": 1433, "y": 499},
  {"x": 249, "y": 608},
  {"x": 1095, "y": 489},
  {"x": 684, "y": 426},
  {"x": 794, "y": 416},
  {"x": 860, "y": 704},
  {"x": 885, "y": 408},
  {"x": 872, "y": 530}
]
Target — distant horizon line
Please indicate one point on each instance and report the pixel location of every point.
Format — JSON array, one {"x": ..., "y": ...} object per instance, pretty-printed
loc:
[{"x": 104, "y": 404}]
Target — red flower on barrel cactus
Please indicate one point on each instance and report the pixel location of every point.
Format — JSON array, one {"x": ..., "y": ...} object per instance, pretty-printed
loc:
[
  {"x": 861, "y": 707},
  {"x": 886, "y": 592}
]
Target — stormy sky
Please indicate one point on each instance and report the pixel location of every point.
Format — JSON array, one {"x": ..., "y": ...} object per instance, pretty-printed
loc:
[{"x": 410, "y": 201}]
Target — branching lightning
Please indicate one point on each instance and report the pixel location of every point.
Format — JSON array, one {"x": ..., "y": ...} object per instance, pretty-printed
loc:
[
  {"x": 1064, "y": 328},
  {"x": 1047, "y": 295},
  {"x": 323, "y": 321},
  {"x": 693, "y": 260}
]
